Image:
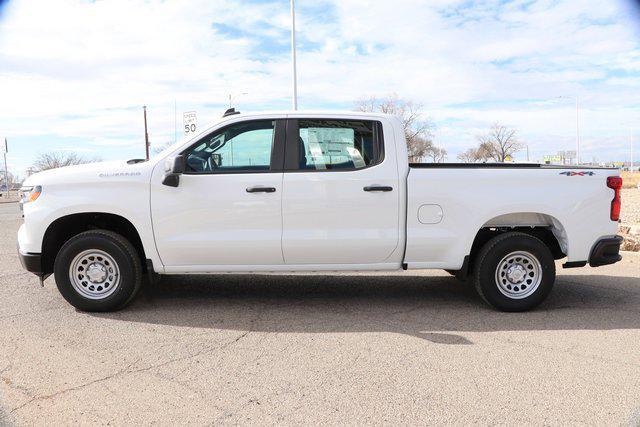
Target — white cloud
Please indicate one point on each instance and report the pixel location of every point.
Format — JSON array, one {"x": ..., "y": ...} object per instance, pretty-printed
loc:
[{"x": 76, "y": 149}]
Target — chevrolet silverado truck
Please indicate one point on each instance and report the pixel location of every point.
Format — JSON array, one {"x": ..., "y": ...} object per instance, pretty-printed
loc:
[{"x": 305, "y": 191}]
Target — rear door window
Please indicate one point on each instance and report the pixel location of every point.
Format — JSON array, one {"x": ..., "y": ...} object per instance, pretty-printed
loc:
[{"x": 325, "y": 145}]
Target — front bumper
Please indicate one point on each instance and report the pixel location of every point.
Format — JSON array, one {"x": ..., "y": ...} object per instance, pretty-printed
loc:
[
  {"x": 606, "y": 251},
  {"x": 31, "y": 263}
]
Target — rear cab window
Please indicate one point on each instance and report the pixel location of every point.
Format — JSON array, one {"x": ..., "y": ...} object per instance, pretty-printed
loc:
[{"x": 332, "y": 145}]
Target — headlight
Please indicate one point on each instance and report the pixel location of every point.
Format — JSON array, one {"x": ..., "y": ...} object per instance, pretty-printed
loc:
[{"x": 30, "y": 194}]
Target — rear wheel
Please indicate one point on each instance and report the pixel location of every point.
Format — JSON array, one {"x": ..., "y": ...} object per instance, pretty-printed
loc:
[
  {"x": 98, "y": 270},
  {"x": 514, "y": 272}
]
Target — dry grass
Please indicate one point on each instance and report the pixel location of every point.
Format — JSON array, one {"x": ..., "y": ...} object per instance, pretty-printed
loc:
[{"x": 630, "y": 179}]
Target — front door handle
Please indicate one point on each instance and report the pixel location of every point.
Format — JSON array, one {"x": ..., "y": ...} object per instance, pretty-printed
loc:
[
  {"x": 378, "y": 188},
  {"x": 261, "y": 190}
]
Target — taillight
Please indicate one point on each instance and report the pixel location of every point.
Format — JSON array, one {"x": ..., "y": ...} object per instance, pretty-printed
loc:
[{"x": 615, "y": 183}]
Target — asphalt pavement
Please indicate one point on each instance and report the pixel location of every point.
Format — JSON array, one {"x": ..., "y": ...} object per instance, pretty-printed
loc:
[{"x": 406, "y": 347}]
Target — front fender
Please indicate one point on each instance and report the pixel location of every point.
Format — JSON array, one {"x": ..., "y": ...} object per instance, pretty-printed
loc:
[{"x": 130, "y": 201}]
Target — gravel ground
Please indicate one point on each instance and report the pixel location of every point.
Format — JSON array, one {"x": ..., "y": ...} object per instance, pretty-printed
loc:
[{"x": 631, "y": 206}]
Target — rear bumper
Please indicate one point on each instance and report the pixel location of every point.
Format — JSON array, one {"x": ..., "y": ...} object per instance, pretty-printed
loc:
[
  {"x": 606, "y": 251},
  {"x": 31, "y": 262}
]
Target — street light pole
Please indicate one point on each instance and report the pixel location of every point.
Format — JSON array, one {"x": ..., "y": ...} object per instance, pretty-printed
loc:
[
  {"x": 577, "y": 124},
  {"x": 293, "y": 56},
  {"x": 577, "y": 131}
]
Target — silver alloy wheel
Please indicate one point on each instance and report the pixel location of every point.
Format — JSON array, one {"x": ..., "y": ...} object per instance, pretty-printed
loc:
[
  {"x": 94, "y": 274},
  {"x": 518, "y": 275}
]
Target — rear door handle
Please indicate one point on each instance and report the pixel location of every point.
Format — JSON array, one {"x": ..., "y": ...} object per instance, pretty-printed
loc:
[
  {"x": 261, "y": 190},
  {"x": 378, "y": 188}
]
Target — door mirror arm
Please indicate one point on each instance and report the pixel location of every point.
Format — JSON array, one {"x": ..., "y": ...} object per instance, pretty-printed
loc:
[{"x": 176, "y": 167}]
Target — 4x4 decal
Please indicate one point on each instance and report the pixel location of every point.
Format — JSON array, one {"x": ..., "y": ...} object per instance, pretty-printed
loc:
[{"x": 569, "y": 173}]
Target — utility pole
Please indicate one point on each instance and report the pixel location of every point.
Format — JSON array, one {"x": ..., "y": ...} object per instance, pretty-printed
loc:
[
  {"x": 146, "y": 134},
  {"x": 293, "y": 56},
  {"x": 6, "y": 169}
]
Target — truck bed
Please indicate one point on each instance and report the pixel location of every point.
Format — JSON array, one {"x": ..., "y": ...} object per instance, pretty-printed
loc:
[{"x": 447, "y": 203}]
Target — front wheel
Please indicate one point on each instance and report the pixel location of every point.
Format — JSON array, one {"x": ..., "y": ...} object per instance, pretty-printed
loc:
[
  {"x": 98, "y": 270},
  {"x": 514, "y": 272}
]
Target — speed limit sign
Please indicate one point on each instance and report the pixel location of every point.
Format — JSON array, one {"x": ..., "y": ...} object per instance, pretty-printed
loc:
[{"x": 190, "y": 121}]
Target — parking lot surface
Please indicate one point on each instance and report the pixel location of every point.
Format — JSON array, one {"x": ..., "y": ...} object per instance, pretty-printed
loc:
[{"x": 407, "y": 347}]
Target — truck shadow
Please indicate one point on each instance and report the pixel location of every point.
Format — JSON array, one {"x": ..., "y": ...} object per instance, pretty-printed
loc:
[{"x": 438, "y": 309}]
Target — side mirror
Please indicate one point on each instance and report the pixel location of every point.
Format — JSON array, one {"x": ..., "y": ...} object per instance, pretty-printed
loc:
[{"x": 174, "y": 167}]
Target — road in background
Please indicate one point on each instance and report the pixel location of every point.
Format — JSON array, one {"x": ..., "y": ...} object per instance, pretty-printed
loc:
[{"x": 344, "y": 349}]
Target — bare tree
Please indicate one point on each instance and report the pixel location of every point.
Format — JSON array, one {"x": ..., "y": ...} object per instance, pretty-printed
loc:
[
  {"x": 418, "y": 132},
  {"x": 9, "y": 181},
  {"x": 437, "y": 155},
  {"x": 500, "y": 143},
  {"x": 485, "y": 152},
  {"x": 469, "y": 156},
  {"x": 497, "y": 145},
  {"x": 57, "y": 159},
  {"x": 418, "y": 148}
]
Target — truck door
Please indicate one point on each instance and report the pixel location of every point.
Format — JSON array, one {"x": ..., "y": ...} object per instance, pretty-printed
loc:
[
  {"x": 227, "y": 207},
  {"x": 340, "y": 193}
]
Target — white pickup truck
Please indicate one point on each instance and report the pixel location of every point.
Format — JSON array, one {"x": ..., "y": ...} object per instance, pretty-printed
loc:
[{"x": 313, "y": 191}]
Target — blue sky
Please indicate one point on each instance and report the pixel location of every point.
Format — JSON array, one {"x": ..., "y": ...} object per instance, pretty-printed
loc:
[{"x": 75, "y": 74}]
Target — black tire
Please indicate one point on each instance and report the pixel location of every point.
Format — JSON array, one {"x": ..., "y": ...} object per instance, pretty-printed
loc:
[
  {"x": 115, "y": 246},
  {"x": 536, "y": 261}
]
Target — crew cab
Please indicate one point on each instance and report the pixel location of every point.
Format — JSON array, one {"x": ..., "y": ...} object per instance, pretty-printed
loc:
[{"x": 313, "y": 191}]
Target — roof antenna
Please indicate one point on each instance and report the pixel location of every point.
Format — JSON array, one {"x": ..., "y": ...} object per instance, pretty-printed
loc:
[{"x": 230, "y": 112}]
